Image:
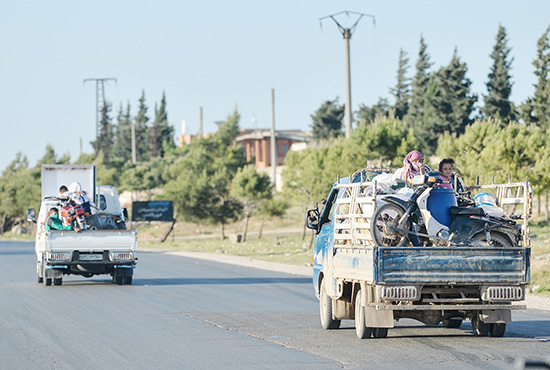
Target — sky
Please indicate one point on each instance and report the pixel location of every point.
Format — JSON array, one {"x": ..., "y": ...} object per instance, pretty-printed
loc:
[{"x": 227, "y": 55}]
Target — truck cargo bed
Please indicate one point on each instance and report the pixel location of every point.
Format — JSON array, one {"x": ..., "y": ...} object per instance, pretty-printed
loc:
[{"x": 451, "y": 265}]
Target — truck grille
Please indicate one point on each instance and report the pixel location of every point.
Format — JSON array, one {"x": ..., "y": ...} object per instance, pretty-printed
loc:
[
  {"x": 399, "y": 293},
  {"x": 502, "y": 293}
]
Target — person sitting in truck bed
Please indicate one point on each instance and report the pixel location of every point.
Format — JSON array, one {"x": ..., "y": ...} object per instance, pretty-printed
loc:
[
  {"x": 450, "y": 178},
  {"x": 77, "y": 195},
  {"x": 54, "y": 223},
  {"x": 413, "y": 165}
]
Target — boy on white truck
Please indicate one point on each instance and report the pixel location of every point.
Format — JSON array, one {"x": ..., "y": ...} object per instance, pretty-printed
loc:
[{"x": 104, "y": 246}]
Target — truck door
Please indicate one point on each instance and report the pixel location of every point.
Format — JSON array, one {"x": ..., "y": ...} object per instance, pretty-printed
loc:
[{"x": 324, "y": 242}]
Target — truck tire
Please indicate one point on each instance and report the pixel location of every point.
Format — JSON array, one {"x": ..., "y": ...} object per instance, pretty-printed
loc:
[
  {"x": 119, "y": 280},
  {"x": 497, "y": 240},
  {"x": 57, "y": 281},
  {"x": 39, "y": 278},
  {"x": 498, "y": 329},
  {"x": 383, "y": 220},
  {"x": 46, "y": 281},
  {"x": 380, "y": 332},
  {"x": 480, "y": 328},
  {"x": 325, "y": 309},
  {"x": 361, "y": 329}
]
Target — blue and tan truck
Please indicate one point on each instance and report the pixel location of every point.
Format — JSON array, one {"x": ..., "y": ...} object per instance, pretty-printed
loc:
[{"x": 357, "y": 277}]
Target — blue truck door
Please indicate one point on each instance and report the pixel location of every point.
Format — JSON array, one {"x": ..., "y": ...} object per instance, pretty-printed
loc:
[{"x": 324, "y": 245}]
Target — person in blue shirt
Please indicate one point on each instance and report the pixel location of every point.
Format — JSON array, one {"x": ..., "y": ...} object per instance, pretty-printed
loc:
[{"x": 54, "y": 223}]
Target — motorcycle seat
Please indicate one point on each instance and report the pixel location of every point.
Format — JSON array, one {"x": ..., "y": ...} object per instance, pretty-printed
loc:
[{"x": 467, "y": 211}]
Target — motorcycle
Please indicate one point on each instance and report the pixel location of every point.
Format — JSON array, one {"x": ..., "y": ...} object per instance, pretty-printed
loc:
[{"x": 411, "y": 222}]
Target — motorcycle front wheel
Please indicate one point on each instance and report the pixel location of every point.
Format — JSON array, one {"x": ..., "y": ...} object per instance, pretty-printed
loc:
[{"x": 384, "y": 221}]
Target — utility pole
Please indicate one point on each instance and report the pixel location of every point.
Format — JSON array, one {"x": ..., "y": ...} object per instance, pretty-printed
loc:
[
  {"x": 99, "y": 99},
  {"x": 346, "y": 32},
  {"x": 273, "y": 142},
  {"x": 200, "y": 133}
]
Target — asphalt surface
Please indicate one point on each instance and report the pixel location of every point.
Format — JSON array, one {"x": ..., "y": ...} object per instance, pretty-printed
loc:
[{"x": 183, "y": 312}]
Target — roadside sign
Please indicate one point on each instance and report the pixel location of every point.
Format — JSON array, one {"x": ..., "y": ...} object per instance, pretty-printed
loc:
[{"x": 162, "y": 210}]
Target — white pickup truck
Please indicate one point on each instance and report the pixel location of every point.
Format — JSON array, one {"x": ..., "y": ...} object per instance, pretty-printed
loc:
[{"x": 105, "y": 248}]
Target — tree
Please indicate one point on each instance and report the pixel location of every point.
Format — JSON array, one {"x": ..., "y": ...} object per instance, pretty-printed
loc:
[
  {"x": 142, "y": 130},
  {"x": 537, "y": 108},
  {"x": 401, "y": 92},
  {"x": 366, "y": 115},
  {"x": 104, "y": 142},
  {"x": 250, "y": 188},
  {"x": 161, "y": 133},
  {"x": 499, "y": 86},
  {"x": 449, "y": 104},
  {"x": 327, "y": 120},
  {"x": 122, "y": 147},
  {"x": 415, "y": 114},
  {"x": 383, "y": 143},
  {"x": 19, "y": 190},
  {"x": 200, "y": 182}
]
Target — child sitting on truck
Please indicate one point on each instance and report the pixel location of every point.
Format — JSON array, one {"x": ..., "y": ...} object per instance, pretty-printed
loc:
[{"x": 54, "y": 223}]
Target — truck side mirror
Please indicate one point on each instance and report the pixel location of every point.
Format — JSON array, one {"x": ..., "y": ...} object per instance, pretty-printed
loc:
[
  {"x": 31, "y": 215},
  {"x": 125, "y": 213},
  {"x": 312, "y": 219}
]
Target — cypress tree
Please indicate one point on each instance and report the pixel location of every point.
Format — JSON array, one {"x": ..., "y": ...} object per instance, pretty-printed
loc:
[
  {"x": 123, "y": 138},
  {"x": 401, "y": 91},
  {"x": 142, "y": 131},
  {"x": 499, "y": 86},
  {"x": 104, "y": 142},
  {"x": 449, "y": 104},
  {"x": 419, "y": 85},
  {"x": 537, "y": 108},
  {"x": 161, "y": 133}
]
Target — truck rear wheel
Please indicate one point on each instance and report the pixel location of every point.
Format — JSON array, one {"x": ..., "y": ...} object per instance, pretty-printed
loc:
[
  {"x": 325, "y": 309},
  {"x": 480, "y": 328},
  {"x": 498, "y": 329},
  {"x": 39, "y": 278},
  {"x": 57, "y": 281},
  {"x": 361, "y": 328},
  {"x": 380, "y": 332},
  {"x": 45, "y": 280}
]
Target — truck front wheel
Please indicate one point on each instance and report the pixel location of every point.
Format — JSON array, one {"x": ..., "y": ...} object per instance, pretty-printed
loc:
[{"x": 325, "y": 308}]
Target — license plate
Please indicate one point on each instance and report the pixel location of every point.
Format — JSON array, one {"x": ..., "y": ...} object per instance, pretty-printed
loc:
[{"x": 91, "y": 257}]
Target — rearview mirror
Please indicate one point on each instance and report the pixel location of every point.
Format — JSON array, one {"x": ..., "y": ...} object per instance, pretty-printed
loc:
[
  {"x": 312, "y": 219},
  {"x": 125, "y": 213},
  {"x": 31, "y": 215}
]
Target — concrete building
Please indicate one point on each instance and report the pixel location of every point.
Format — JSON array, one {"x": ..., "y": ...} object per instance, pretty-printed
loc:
[{"x": 257, "y": 144}]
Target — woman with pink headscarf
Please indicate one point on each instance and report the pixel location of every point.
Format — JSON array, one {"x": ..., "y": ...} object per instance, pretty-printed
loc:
[{"x": 413, "y": 165}]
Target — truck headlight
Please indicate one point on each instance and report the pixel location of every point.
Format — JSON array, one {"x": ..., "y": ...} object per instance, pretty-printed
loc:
[
  {"x": 59, "y": 256},
  {"x": 119, "y": 256},
  {"x": 502, "y": 293},
  {"x": 399, "y": 293}
]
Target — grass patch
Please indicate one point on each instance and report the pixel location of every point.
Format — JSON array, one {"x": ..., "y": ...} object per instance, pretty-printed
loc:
[{"x": 284, "y": 248}]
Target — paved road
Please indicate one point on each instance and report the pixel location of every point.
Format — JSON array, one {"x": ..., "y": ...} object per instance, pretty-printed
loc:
[{"x": 185, "y": 313}]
